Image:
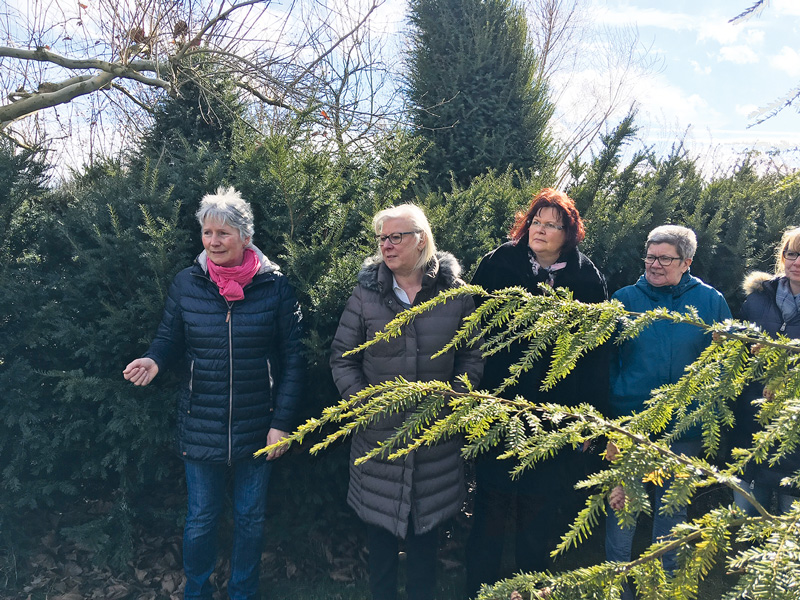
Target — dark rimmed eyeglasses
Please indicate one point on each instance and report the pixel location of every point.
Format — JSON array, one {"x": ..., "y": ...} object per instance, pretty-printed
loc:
[
  {"x": 790, "y": 256},
  {"x": 396, "y": 238},
  {"x": 664, "y": 261}
]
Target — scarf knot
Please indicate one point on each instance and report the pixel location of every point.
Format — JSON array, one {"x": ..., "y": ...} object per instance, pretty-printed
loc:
[
  {"x": 232, "y": 280},
  {"x": 544, "y": 274},
  {"x": 788, "y": 303}
]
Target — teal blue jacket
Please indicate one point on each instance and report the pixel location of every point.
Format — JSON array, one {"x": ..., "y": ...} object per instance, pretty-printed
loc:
[{"x": 660, "y": 353}]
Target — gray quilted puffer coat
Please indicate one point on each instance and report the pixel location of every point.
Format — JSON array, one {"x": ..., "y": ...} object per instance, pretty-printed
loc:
[{"x": 428, "y": 484}]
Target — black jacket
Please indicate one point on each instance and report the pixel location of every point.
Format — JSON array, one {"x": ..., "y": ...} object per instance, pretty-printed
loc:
[
  {"x": 761, "y": 308},
  {"x": 242, "y": 361},
  {"x": 509, "y": 265}
]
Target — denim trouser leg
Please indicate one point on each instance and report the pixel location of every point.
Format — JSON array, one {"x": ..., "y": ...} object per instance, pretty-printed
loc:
[
  {"x": 761, "y": 493},
  {"x": 619, "y": 540},
  {"x": 663, "y": 523},
  {"x": 205, "y": 483},
  {"x": 206, "y": 490},
  {"x": 249, "y": 512}
]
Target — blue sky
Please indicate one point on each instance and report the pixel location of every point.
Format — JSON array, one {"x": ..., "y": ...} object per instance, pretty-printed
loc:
[
  {"x": 712, "y": 74},
  {"x": 707, "y": 76}
]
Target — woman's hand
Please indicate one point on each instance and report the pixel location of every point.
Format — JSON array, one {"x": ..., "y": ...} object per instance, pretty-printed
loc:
[
  {"x": 141, "y": 371},
  {"x": 612, "y": 452},
  {"x": 616, "y": 499},
  {"x": 273, "y": 437}
]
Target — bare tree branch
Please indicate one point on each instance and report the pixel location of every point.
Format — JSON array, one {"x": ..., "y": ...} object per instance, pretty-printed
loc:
[{"x": 278, "y": 55}]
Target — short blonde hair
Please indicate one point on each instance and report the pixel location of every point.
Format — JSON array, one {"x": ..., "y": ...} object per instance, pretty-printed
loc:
[
  {"x": 422, "y": 228},
  {"x": 789, "y": 241}
]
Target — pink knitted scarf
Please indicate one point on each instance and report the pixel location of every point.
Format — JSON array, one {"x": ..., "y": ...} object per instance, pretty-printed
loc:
[{"x": 231, "y": 280}]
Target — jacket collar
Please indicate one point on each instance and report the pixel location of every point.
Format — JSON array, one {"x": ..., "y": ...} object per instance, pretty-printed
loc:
[
  {"x": 687, "y": 282},
  {"x": 443, "y": 268},
  {"x": 758, "y": 281},
  {"x": 267, "y": 266}
]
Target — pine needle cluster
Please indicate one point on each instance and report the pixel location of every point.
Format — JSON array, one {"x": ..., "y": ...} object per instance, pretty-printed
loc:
[{"x": 529, "y": 432}]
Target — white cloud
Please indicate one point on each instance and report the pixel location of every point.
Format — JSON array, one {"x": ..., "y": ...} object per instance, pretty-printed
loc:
[
  {"x": 756, "y": 36},
  {"x": 717, "y": 28},
  {"x": 787, "y": 60},
  {"x": 786, "y": 7},
  {"x": 646, "y": 17},
  {"x": 740, "y": 55},
  {"x": 698, "y": 68},
  {"x": 745, "y": 110}
]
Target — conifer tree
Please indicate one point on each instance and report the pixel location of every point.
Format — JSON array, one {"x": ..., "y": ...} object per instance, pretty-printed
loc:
[
  {"x": 762, "y": 550},
  {"x": 473, "y": 89}
]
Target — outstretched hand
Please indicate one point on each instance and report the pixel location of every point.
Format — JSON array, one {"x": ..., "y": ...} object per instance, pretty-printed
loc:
[{"x": 141, "y": 371}]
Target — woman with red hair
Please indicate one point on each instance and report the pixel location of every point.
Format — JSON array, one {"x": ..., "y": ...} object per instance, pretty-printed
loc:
[{"x": 543, "y": 249}]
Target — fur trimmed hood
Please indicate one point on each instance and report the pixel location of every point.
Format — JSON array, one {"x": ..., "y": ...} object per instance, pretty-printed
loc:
[
  {"x": 443, "y": 266},
  {"x": 756, "y": 282}
]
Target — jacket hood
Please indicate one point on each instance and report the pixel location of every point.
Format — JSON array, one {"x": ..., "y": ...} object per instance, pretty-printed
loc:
[
  {"x": 267, "y": 266},
  {"x": 442, "y": 266},
  {"x": 687, "y": 282},
  {"x": 757, "y": 282}
]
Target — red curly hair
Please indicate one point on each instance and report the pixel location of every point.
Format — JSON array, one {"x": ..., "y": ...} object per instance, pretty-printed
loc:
[{"x": 574, "y": 231}]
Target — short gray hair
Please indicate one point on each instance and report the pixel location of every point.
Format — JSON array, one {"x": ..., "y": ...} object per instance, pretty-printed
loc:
[
  {"x": 683, "y": 238},
  {"x": 228, "y": 207},
  {"x": 419, "y": 222}
]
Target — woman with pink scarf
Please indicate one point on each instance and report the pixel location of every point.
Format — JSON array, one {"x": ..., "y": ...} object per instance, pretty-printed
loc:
[{"x": 231, "y": 324}]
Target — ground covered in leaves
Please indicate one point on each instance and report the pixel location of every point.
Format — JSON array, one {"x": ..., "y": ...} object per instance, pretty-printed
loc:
[
  {"x": 327, "y": 563},
  {"x": 63, "y": 557}
]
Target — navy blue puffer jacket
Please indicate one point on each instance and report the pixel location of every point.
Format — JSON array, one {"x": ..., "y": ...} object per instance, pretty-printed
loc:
[
  {"x": 760, "y": 307},
  {"x": 242, "y": 361}
]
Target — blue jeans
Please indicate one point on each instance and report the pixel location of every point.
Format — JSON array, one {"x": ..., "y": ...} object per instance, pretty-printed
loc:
[
  {"x": 763, "y": 494},
  {"x": 206, "y": 486},
  {"x": 619, "y": 540}
]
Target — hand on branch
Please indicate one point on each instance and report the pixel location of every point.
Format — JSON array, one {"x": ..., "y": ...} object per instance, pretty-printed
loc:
[
  {"x": 612, "y": 451},
  {"x": 616, "y": 499}
]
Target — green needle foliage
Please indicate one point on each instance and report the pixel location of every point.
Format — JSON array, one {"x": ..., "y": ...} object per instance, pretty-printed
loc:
[{"x": 530, "y": 432}]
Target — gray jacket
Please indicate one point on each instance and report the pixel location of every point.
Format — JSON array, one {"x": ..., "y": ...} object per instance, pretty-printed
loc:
[{"x": 428, "y": 484}]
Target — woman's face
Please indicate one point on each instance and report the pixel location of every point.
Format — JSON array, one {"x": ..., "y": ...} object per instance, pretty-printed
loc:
[
  {"x": 223, "y": 244},
  {"x": 659, "y": 275},
  {"x": 400, "y": 258},
  {"x": 546, "y": 240},
  {"x": 791, "y": 268}
]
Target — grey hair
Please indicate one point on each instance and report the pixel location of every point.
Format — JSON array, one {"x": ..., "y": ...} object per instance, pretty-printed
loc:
[
  {"x": 419, "y": 222},
  {"x": 683, "y": 238},
  {"x": 227, "y": 206}
]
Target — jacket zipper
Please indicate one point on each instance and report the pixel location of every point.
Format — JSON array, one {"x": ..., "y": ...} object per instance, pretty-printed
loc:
[
  {"x": 228, "y": 320},
  {"x": 191, "y": 379}
]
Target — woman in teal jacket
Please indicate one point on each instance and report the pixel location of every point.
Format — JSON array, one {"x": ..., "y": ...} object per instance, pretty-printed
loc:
[{"x": 658, "y": 357}]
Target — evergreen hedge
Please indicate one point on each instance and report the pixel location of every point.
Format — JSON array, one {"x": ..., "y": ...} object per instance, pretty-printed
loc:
[{"x": 85, "y": 267}]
